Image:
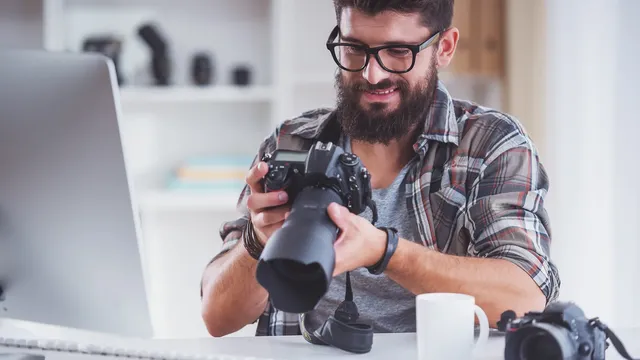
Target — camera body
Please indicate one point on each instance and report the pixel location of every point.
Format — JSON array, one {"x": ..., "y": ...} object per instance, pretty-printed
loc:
[
  {"x": 296, "y": 266},
  {"x": 325, "y": 165},
  {"x": 561, "y": 331}
]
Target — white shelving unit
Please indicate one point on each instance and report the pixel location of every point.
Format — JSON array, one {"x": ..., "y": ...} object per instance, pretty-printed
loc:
[
  {"x": 154, "y": 201},
  {"x": 281, "y": 41},
  {"x": 192, "y": 95}
]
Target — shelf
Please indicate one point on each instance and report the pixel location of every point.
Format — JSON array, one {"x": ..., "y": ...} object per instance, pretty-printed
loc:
[
  {"x": 186, "y": 94},
  {"x": 184, "y": 200},
  {"x": 315, "y": 79}
]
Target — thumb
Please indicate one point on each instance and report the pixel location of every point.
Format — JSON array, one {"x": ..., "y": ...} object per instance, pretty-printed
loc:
[{"x": 339, "y": 215}]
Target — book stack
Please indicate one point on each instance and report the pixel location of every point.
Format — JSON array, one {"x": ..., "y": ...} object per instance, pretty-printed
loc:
[{"x": 215, "y": 173}]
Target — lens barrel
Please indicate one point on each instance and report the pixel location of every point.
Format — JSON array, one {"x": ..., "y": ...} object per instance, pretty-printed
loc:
[
  {"x": 540, "y": 341},
  {"x": 297, "y": 263}
]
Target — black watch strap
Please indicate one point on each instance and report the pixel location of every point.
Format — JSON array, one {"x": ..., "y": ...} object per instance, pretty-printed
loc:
[{"x": 392, "y": 245}]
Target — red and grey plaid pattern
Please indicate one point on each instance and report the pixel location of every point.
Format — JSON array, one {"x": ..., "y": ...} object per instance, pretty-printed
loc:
[{"x": 476, "y": 188}]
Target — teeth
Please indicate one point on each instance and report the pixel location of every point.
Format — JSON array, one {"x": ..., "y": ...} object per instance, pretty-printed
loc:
[{"x": 383, "y": 92}]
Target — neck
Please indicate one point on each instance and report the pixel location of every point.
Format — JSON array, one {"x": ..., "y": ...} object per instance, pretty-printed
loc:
[{"x": 384, "y": 162}]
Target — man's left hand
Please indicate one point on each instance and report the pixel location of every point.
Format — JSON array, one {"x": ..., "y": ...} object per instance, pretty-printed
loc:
[{"x": 360, "y": 244}]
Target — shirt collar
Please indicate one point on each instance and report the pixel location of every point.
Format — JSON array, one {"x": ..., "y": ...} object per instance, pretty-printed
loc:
[{"x": 440, "y": 125}]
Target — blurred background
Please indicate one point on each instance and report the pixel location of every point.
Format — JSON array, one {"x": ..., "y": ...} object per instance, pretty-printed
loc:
[{"x": 202, "y": 82}]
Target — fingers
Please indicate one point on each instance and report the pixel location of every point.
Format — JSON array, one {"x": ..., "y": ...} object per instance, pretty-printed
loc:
[
  {"x": 257, "y": 202},
  {"x": 340, "y": 216},
  {"x": 270, "y": 217},
  {"x": 269, "y": 230},
  {"x": 254, "y": 176}
]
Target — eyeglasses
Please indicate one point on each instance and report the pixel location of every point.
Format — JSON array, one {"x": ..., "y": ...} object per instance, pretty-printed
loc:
[{"x": 394, "y": 58}]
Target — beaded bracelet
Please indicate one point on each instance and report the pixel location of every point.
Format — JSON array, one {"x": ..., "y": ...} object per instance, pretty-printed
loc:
[{"x": 250, "y": 241}]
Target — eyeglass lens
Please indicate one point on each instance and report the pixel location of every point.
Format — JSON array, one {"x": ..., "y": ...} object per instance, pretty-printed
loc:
[{"x": 394, "y": 58}]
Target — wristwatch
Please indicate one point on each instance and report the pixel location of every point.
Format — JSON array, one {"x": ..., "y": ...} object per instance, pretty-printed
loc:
[{"x": 392, "y": 244}]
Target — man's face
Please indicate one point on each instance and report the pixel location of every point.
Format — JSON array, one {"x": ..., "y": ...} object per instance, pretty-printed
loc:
[{"x": 375, "y": 105}]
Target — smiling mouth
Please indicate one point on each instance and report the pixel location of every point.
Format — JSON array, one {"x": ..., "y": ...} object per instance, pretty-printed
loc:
[{"x": 381, "y": 92}]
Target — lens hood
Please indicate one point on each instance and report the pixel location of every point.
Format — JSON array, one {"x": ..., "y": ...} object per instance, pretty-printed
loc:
[{"x": 297, "y": 263}]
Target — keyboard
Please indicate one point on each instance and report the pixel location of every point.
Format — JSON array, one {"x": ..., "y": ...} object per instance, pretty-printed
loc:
[{"x": 24, "y": 345}]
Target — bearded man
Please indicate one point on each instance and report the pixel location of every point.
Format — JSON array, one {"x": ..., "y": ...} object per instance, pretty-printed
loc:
[{"x": 462, "y": 185}]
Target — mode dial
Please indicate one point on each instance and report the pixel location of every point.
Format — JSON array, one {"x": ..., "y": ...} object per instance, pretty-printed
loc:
[{"x": 349, "y": 159}]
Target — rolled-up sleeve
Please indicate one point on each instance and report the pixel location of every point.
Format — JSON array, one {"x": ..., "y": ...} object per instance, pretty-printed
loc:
[{"x": 507, "y": 217}]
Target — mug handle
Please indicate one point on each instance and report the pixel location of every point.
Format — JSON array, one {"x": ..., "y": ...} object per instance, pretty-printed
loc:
[{"x": 484, "y": 330}]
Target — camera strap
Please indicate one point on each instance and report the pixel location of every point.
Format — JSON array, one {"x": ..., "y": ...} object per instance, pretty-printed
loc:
[
  {"x": 342, "y": 329},
  {"x": 614, "y": 339}
]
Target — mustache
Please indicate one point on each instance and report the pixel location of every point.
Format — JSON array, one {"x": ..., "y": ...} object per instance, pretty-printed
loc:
[{"x": 384, "y": 84}]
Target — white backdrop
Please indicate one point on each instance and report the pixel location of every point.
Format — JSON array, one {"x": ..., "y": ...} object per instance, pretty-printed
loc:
[{"x": 592, "y": 133}]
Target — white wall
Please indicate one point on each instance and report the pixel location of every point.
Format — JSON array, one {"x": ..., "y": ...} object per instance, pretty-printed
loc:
[
  {"x": 627, "y": 197},
  {"x": 592, "y": 89},
  {"x": 525, "y": 66}
]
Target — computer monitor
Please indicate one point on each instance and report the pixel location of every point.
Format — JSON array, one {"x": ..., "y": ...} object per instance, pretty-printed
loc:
[{"x": 69, "y": 236}]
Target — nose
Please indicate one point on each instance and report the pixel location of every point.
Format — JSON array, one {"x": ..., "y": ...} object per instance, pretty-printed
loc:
[{"x": 374, "y": 73}]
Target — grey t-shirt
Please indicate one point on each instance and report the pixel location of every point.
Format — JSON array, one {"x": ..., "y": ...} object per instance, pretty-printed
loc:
[{"x": 382, "y": 302}]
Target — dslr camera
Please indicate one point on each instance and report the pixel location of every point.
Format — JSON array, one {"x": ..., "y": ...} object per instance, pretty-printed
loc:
[
  {"x": 296, "y": 266},
  {"x": 561, "y": 331}
]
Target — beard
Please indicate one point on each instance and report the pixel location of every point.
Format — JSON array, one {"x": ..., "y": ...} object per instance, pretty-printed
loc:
[{"x": 376, "y": 124}]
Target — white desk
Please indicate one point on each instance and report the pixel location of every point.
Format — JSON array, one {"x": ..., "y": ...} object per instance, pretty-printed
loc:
[{"x": 385, "y": 346}]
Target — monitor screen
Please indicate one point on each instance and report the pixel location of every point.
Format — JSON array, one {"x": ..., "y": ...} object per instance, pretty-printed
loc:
[{"x": 68, "y": 229}]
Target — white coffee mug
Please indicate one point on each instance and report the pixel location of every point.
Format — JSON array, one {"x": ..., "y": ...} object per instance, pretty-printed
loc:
[{"x": 445, "y": 326}]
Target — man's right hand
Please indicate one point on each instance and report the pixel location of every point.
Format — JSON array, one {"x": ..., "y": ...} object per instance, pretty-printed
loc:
[
  {"x": 268, "y": 210},
  {"x": 232, "y": 297}
]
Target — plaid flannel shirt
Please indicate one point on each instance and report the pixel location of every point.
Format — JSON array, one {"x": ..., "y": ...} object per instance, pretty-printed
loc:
[{"x": 478, "y": 190}]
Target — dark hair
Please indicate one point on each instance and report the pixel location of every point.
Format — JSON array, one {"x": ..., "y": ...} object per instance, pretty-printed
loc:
[{"x": 436, "y": 14}]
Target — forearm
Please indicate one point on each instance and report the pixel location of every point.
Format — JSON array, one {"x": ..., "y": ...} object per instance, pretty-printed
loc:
[
  {"x": 232, "y": 297},
  {"x": 497, "y": 285}
]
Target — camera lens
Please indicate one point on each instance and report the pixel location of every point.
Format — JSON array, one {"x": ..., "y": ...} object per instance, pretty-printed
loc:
[
  {"x": 540, "y": 345},
  {"x": 288, "y": 277},
  {"x": 296, "y": 266},
  {"x": 297, "y": 273},
  {"x": 540, "y": 341}
]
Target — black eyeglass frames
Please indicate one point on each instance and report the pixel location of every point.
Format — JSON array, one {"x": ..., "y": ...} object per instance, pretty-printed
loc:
[{"x": 394, "y": 58}]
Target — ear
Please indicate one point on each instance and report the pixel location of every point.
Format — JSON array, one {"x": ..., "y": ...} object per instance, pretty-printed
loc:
[{"x": 447, "y": 46}]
